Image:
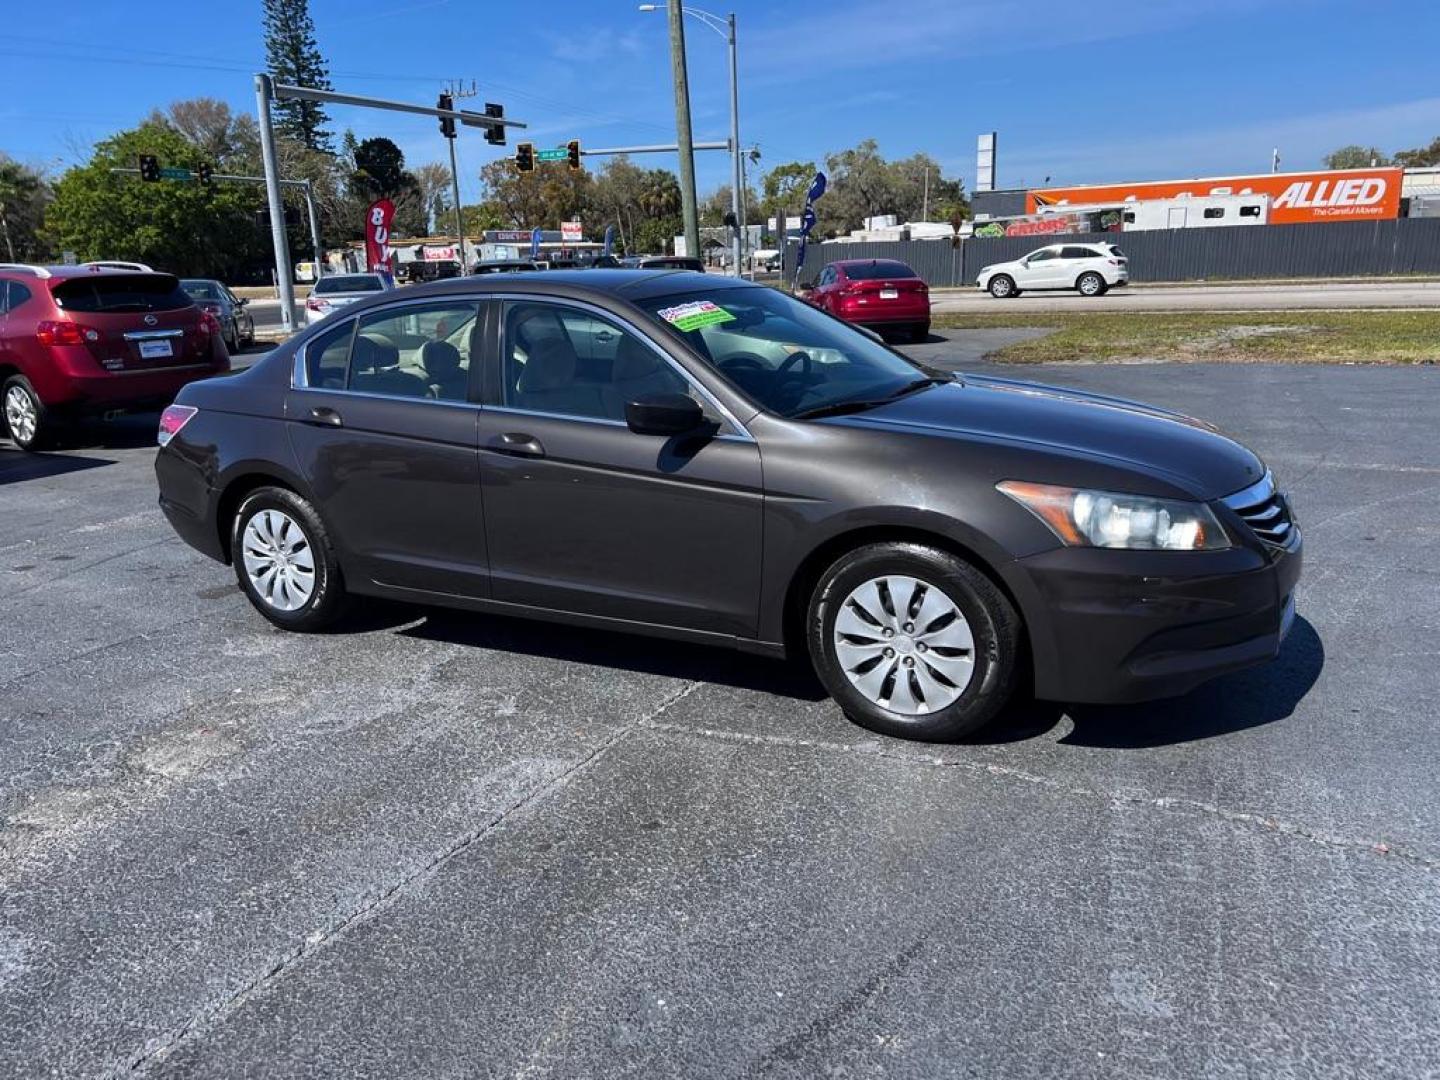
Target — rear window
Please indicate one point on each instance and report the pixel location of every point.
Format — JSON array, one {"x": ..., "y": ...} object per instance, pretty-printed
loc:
[
  {"x": 1116, "y": 252},
  {"x": 201, "y": 290},
  {"x": 879, "y": 270},
  {"x": 349, "y": 283},
  {"x": 121, "y": 292}
]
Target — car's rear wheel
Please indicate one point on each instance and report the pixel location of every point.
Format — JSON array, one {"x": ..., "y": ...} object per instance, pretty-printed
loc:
[
  {"x": 920, "y": 332},
  {"x": 26, "y": 417},
  {"x": 1090, "y": 284},
  {"x": 914, "y": 642},
  {"x": 285, "y": 562},
  {"x": 1002, "y": 286}
]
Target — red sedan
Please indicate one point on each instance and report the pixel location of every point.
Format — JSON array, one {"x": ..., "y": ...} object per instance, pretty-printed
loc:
[{"x": 883, "y": 294}]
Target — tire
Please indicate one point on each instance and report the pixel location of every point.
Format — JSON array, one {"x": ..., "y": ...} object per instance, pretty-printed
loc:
[
  {"x": 282, "y": 597},
  {"x": 920, "y": 332},
  {"x": 1090, "y": 284},
  {"x": 958, "y": 693},
  {"x": 232, "y": 344},
  {"x": 1002, "y": 287},
  {"x": 28, "y": 422}
]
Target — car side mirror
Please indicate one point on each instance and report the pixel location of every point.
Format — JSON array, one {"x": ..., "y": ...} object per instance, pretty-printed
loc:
[
  {"x": 243, "y": 301},
  {"x": 664, "y": 414}
]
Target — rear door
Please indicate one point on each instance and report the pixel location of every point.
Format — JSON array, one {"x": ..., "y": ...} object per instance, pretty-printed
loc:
[
  {"x": 136, "y": 323},
  {"x": 383, "y": 424}
]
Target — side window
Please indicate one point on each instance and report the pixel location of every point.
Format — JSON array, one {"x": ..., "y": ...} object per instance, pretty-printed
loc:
[
  {"x": 327, "y": 357},
  {"x": 418, "y": 350},
  {"x": 567, "y": 361},
  {"x": 4, "y": 286},
  {"x": 1249, "y": 211},
  {"x": 18, "y": 295},
  {"x": 1077, "y": 253},
  {"x": 1214, "y": 211},
  {"x": 1044, "y": 255}
]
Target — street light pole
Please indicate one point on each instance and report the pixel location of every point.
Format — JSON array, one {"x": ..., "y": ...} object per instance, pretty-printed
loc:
[{"x": 682, "y": 129}]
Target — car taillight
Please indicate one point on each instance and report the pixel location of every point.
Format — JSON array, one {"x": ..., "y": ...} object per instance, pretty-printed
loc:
[
  {"x": 61, "y": 333},
  {"x": 208, "y": 323},
  {"x": 172, "y": 420},
  {"x": 316, "y": 304}
]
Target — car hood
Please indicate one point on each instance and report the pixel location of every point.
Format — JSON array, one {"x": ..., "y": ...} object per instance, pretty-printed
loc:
[{"x": 1179, "y": 449}]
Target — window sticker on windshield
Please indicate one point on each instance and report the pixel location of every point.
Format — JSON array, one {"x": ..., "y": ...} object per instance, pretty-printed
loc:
[{"x": 695, "y": 314}]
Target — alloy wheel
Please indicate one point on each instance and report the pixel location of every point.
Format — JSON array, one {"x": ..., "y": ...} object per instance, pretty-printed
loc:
[
  {"x": 21, "y": 415},
  {"x": 904, "y": 644},
  {"x": 279, "y": 560}
]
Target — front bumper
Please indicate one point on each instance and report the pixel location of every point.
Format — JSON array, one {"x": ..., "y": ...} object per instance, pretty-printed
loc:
[{"x": 1108, "y": 627}]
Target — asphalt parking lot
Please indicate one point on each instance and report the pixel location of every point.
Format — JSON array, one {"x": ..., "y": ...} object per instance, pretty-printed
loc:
[{"x": 437, "y": 845}]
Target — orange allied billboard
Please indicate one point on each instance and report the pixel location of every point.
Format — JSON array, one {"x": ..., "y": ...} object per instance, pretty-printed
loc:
[{"x": 1332, "y": 195}]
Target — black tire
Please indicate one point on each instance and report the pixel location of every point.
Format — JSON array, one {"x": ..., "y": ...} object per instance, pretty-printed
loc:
[
  {"x": 920, "y": 332},
  {"x": 993, "y": 622},
  {"x": 44, "y": 423},
  {"x": 1002, "y": 287},
  {"x": 1090, "y": 284},
  {"x": 327, "y": 601},
  {"x": 232, "y": 341}
]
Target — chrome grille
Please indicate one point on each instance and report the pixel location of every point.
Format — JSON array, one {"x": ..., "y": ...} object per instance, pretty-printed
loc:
[{"x": 1262, "y": 507}]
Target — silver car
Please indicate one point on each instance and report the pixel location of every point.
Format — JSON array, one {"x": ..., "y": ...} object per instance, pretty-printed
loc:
[{"x": 339, "y": 290}]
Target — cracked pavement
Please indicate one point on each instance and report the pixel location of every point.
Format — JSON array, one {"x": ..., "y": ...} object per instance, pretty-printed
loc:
[{"x": 439, "y": 845}]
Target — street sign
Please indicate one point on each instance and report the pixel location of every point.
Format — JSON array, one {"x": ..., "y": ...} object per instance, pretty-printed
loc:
[
  {"x": 560, "y": 153},
  {"x": 170, "y": 173}
]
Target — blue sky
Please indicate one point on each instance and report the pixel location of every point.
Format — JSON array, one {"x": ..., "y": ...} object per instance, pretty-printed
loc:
[{"x": 1112, "y": 90}]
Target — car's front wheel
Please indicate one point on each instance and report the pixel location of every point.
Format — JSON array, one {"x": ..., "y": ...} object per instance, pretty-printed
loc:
[
  {"x": 1091, "y": 284},
  {"x": 1002, "y": 286},
  {"x": 914, "y": 642},
  {"x": 285, "y": 562},
  {"x": 25, "y": 414}
]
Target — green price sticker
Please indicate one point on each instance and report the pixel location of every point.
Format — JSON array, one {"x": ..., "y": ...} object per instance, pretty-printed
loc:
[{"x": 694, "y": 315}]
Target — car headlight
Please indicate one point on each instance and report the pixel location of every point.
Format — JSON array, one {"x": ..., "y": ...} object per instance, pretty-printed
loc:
[{"x": 1109, "y": 519}]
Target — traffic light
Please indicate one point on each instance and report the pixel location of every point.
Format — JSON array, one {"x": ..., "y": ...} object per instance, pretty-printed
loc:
[
  {"x": 573, "y": 150},
  {"x": 525, "y": 157},
  {"x": 495, "y": 136},
  {"x": 203, "y": 172},
  {"x": 149, "y": 167},
  {"x": 447, "y": 123}
]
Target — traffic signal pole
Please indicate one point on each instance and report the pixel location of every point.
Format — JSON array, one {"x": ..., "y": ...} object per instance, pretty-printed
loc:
[{"x": 264, "y": 93}]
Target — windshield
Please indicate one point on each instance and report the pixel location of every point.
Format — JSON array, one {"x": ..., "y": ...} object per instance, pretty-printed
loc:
[
  {"x": 877, "y": 270},
  {"x": 783, "y": 354},
  {"x": 346, "y": 283},
  {"x": 201, "y": 290}
]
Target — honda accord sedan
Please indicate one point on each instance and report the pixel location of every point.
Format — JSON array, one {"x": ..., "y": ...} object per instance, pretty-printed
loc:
[{"x": 696, "y": 457}]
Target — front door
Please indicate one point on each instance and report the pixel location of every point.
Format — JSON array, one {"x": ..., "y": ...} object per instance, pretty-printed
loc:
[
  {"x": 385, "y": 433},
  {"x": 584, "y": 515},
  {"x": 1042, "y": 270}
]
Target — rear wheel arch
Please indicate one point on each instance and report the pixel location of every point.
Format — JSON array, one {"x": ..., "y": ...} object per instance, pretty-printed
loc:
[{"x": 234, "y": 493}]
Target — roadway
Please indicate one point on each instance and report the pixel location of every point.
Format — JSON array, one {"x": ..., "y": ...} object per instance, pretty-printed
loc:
[{"x": 1253, "y": 296}]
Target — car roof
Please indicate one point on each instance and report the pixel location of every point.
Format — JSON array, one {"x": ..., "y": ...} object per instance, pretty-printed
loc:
[
  {"x": 866, "y": 262},
  {"x": 586, "y": 284},
  {"x": 73, "y": 271}
]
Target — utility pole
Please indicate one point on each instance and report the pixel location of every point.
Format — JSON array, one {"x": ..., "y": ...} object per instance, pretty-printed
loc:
[
  {"x": 925, "y": 207},
  {"x": 459, "y": 92},
  {"x": 682, "y": 129}
]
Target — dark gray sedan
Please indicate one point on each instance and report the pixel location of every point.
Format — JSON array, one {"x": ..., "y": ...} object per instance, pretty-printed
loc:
[
  {"x": 236, "y": 323},
  {"x": 696, "y": 457}
]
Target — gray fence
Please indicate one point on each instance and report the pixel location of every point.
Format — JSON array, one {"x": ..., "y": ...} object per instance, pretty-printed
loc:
[{"x": 1339, "y": 249}]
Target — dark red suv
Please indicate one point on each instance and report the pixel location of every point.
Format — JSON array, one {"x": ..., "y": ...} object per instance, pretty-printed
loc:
[{"x": 78, "y": 340}]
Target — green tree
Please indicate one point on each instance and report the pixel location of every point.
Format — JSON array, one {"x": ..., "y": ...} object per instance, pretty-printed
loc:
[
  {"x": 1355, "y": 157},
  {"x": 784, "y": 188},
  {"x": 181, "y": 226},
  {"x": 545, "y": 197},
  {"x": 1422, "y": 157},
  {"x": 477, "y": 217},
  {"x": 24, "y": 195},
  {"x": 292, "y": 56},
  {"x": 379, "y": 173},
  {"x": 716, "y": 205}
]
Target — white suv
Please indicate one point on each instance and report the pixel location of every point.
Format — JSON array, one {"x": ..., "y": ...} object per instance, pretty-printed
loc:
[{"x": 1089, "y": 269}]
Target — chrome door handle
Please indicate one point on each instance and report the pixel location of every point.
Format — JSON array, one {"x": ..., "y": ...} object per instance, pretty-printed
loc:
[
  {"x": 327, "y": 416},
  {"x": 519, "y": 444}
]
